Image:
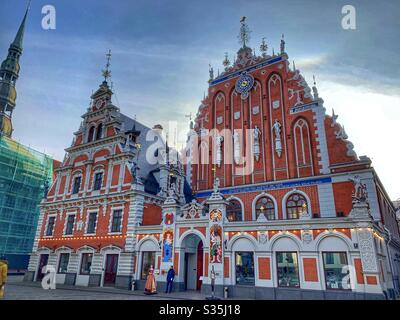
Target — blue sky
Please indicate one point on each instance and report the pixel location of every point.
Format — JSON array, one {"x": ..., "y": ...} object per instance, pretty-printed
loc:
[{"x": 162, "y": 48}]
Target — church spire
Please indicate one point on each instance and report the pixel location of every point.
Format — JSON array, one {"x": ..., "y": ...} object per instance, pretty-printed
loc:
[
  {"x": 9, "y": 73},
  {"x": 19, "y": 38}
]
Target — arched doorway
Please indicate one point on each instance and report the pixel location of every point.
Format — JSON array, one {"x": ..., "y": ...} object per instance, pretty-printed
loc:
[{"x": 193, "y": 262}]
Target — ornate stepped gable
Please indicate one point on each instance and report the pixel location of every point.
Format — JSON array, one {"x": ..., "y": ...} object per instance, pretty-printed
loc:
[
  {"x": 270, "y": 96},
  {"x": 106, "y": 135}
]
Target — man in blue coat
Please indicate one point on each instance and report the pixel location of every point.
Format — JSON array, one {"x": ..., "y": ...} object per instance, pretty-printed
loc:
[{"x": 170, "y": 279}]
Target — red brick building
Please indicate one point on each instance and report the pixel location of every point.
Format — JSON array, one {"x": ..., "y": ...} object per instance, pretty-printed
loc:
[{"x": 283, "y": 208}]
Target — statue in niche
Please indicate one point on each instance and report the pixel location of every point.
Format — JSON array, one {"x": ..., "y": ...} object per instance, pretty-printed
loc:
[
  {"x": 257, "y": 135},
  {"x": 218, "y": 144},
  {"x": 360, "y": 194},
  {"x": 278, "y": 142},
  {"x": 236, "y": 146}
]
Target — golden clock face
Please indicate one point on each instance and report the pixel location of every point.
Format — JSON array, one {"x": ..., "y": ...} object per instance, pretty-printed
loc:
[{"x": 244, "y": 83}]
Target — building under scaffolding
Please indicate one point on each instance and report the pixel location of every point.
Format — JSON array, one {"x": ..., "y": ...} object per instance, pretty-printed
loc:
[{"x": 25, "y": 174}]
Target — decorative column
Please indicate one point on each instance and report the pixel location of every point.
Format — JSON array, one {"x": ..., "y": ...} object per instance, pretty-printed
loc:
[
  {"x": 170, "y": 210},
  {"x": 135, "y": 217},
  {"x": 217, "y": 212}
]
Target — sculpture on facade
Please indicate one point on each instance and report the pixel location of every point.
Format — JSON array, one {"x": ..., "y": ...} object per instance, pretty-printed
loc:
[
  {"x": 257, "y": 135},
  {"x": 218, "y": 144},
  {"x": 360, "y": 194},
  {"x": 278, "y": 143},
  {"x": 236, "y": 147}
]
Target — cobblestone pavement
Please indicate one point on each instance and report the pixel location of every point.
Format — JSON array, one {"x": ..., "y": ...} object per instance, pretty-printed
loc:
[{"x": 16, "y": 289}]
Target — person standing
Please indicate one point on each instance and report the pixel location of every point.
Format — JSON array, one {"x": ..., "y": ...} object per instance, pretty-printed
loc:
[
  {"x": 151, "y": 287},
  {"x": 3, "y": 276},
  {"x": 170, "y": 279}
]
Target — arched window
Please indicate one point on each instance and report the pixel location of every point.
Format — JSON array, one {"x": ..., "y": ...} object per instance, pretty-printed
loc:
[
  {"x": 99, "y": 133},
  {"x": 265, "y": 206},
  {"x": 234, "y": 211},
  {"x": 91, "y": 134},
  {"x": 296, "y": 204}
]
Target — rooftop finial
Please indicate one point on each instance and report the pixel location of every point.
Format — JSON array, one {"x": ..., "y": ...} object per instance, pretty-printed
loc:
[
  {"x": 106, "y": 72},
  {"x": 315, "y": 83},
  {"x": 244, "y": 34},
  {"x": 264, "y": 48},
  {"x": 283, "y": 44},
  {"x": 226, "y": 61}
]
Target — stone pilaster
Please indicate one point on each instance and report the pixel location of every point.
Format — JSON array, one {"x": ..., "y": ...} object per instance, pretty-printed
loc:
[
  {"x": 217, "y": 213},
  {"x": 170, "y": 211},
  {"x": 135, "y": 215}
]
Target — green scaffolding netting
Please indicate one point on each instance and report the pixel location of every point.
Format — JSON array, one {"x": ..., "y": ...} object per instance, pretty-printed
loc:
[{"x": 24, "y": 175}]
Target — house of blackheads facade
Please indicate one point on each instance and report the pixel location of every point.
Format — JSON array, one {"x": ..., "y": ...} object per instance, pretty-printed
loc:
[{"x": 271, "y": 202}]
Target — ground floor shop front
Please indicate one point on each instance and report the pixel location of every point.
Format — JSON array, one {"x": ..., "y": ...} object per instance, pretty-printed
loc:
[{"x": 292, "y": 264}]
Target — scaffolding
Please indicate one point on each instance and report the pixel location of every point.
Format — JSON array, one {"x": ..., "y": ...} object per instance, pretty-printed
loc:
[{"x": 25, "y": 175}]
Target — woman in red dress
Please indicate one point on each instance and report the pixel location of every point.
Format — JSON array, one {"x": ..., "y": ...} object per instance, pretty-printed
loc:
[{"x": 151, "y": 287}]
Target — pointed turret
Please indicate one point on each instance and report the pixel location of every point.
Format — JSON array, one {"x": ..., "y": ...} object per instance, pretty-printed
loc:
[
  {"x": 9, "y": 73},
  {"x": 19, "y": 38}
]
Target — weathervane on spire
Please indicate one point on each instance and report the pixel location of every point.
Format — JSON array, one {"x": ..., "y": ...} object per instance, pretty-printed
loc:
[
  {"x": 106, "y": 72},
  {"x": 244, "y": 34}
]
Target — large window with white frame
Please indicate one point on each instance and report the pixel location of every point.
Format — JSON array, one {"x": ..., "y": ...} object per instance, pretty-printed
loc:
[
  {"x": 97, "y": 181},
  {"x": 336, "y": 270},
  {"x": 296, "y": 205},
  {"x": 234, "y": 211},
  {"x": 266, "y": 206},
  {"x": 51, "y": 220},
  {"x": 91, "y": 223},
  {"x": 63, "y": 263},
  {"x": 244, "y": 268},
  {"x": 86, "y": 263},
  {"x": 76, "y": 184},
  {"x": 116, "y": 221},
  {"x": 69, "y": 227},
  {"x": 288, "y": 269}
]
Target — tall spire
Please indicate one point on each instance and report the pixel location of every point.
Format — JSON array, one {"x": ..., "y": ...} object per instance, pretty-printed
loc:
[
  {"x": 9, "y": 73},
  {"x": 18, "y": 41}
]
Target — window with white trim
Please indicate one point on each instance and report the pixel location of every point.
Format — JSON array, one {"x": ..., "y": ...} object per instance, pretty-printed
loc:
[
  {"x": 116, "y": 221},
  {"x": 50, "y": 226},
  {"x": 92, "y": 223},
  {"x": 98, "y": 180},
  {"x": 69, "y": 228},
  {"x": 77, "y": 184}
]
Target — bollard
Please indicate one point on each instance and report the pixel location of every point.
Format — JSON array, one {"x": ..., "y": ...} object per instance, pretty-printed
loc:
[
  {"x": 226, "y": 291},
  {"x": 133, "y": 285}
]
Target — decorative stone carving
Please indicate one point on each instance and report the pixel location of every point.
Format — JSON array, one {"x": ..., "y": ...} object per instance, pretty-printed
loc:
[
  {"x": 236, "y": 147},
  {"x": 256, "y": 110},
  {"x": 307, "y": 236},
  {"x": 192, "y": 210},
  {"x": 218, "y": 144},
  {"x": 276, "y": 104},
  {"x": 257, "y": 135},
  {"x": 278, "y": 143},
  {"x": 263, "y": 237},
  {"x": 236, "y": 115},
  {"x": 367, "y": 251}
]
